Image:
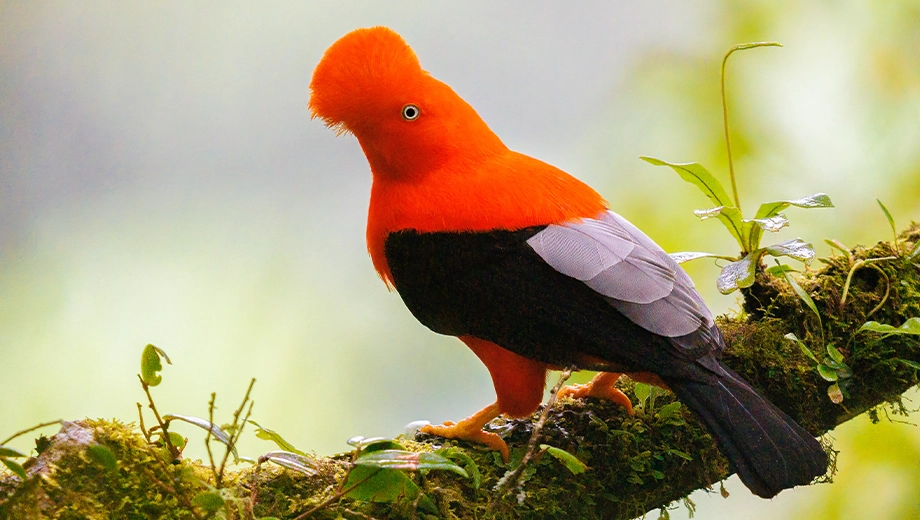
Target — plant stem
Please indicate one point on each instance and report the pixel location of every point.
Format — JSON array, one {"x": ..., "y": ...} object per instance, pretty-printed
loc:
[
  {"x": 32, "y": 429},
  {"x": 207, "y": 438},
  {"x": 237, "y": 429},
  {"x": 728, "y": 144},
  {"x": 173, "y": 451},
  {"x": 857, "y": 265}
]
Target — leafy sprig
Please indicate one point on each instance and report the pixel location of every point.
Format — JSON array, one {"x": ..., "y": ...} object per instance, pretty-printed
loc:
[
  {"x": 748, "y": 232},
  {"x": 831, "y": 367}
]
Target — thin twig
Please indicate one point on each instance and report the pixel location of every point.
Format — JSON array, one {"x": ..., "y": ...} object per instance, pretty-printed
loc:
[
  {"x": 207, "y": 438},
  {"x": 173, "y": 451},
  {"x": 254, "y": 492},
  {"x": 170, "y": 490},
  {"x": 32, "y": 429},
  {"x": 510, "y": 480},
  {"x": 140, "y": 418},
  {"x": 237, "y": 429}
]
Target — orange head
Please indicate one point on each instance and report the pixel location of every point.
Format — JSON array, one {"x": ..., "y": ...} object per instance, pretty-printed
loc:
[{"x": 370, "y": 83}]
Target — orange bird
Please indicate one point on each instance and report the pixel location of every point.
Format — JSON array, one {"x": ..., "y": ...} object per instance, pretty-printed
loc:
[{"x": 529, "y": 268}]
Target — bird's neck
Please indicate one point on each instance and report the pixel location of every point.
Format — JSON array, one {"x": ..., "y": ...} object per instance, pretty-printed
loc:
[{"x": 505, "y": 191}]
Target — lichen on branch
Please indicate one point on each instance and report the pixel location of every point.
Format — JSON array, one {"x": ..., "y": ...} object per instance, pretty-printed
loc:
[{"x": 636, "y": 463}]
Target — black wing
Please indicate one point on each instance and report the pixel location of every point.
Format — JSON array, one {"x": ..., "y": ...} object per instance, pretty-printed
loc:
[{"x": 514, "y": 288}]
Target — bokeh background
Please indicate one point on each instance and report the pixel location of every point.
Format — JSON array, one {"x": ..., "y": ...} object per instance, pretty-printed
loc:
[{"x": 161, "y": 182}]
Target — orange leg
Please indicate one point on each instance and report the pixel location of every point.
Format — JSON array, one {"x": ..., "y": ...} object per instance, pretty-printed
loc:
[
  {"x": 601, "y": 386},
  {"x": 470, "y": 429}
]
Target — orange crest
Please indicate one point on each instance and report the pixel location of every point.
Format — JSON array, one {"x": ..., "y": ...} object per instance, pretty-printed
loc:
[{"x": 362, "y": 75}]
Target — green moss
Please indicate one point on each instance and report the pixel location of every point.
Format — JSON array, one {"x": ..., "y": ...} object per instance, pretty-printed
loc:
[
  {"x": 66, "y": 483},
  {"x": 637, "y": 463}
]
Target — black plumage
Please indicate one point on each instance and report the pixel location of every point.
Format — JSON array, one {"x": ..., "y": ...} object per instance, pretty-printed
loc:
[{"x": 601, "y": 289}]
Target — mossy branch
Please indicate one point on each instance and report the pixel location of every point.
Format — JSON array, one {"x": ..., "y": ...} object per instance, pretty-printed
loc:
[{"x": 637, "y": 464}]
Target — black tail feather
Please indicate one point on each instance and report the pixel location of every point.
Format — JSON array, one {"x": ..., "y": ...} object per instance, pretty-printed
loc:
[{"x": 768, "y": 450}]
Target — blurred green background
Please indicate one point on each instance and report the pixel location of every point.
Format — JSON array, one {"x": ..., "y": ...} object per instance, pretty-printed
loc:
[{"x": 161, "y": 182}]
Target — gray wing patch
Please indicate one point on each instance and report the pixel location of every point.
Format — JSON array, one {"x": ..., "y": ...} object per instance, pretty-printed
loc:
[
  {"x": 606, "y": 258},
  {"x": 634, "y": 274},
  {"x": 615, "y": 219}
]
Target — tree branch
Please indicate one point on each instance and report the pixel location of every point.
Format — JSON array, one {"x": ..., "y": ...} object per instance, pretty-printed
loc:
[{"x": 637, "y": 464}]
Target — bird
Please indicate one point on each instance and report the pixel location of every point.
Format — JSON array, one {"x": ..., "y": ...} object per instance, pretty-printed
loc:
[{"x": 530, "y": 268}]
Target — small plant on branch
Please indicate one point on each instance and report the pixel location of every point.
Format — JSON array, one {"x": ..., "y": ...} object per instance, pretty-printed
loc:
[{"x": 748, "y": 232}]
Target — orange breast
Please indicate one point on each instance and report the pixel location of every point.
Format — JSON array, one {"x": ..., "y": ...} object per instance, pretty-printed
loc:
[{"x": 507, "y": 191}]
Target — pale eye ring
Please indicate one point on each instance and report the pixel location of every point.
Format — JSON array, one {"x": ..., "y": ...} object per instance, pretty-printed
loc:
[{"x": 411, "y": 112}]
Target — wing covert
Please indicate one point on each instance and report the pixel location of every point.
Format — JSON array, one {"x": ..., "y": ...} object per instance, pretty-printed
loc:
[{"x": 634, "y": 275}]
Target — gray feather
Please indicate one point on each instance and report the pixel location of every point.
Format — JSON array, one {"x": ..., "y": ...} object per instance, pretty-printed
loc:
[
  {"x": 672, "y": 316},
  {"x": 634, "y": 274},
  {"x": 639, "y": 278},
  {"x": 581, "y": 252},
  {"x": 638, "y": 236}
]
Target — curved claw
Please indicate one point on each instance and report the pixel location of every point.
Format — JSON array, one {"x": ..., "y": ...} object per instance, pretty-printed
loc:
[
  {"x": 470, "y": 429},
  {"x": 602, "y": 386}
]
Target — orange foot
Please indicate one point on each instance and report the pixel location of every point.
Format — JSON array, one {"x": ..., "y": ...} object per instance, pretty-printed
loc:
[
  {"x": 601, "y": 386},
  {"x": 470, "y": 429}
]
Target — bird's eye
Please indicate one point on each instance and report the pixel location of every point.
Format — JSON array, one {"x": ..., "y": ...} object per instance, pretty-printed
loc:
[{"x": 411, "y": 112}]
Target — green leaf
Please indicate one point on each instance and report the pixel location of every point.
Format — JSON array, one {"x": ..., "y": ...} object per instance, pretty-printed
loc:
[
  {"x": 295, "y": 461},
  {"x": 795, "y": 248},
  {"x": 383, "y": 485},
  {"x": 817, "y": 200},
  {"x": 210, "y": 501},
  {"x": 834, "y": 353},
  {"x": 752, "y": 229},
  {"x": 803, "y": 296},
  {"x": 6, "y": 451},
  {"x": 770, "y": 209},
  {"x": 888, "y": 216},
  {"x": 468, "y": 463},
  {"x": 777, "y": 270},
  {"x": 695, "y": 174},
  {"x": 844, "y": 371},
  {"x": 206, "y": 425},
  {"x": 668, "y": 411},
  {"x": 408, "y": 460},
  {"x": 730, "y": 217},
  {"x": 912, "y": 364},
  {"x": 915, "y": 252},
  {"x": 15, "y": 467},
  {"x": 150, "y": 364},
  {"x": 911, "y": 326},
  {"x": 679, "y": 453},
  {"x": 686, "y": 256},
  {"x": 836, "y": 244},
  {"x": 826, "y": 372},
  {"x": 771, "y": 224},
  {"x": 835, "y": 393},
  {"x": 805, "y": 350},
  {"x": 571, "y": 461},
  {"x": 369, "y": 444},
  {"x": 176, "y": 440},
  {"x": 271, "y": 435},
  {"x": 103, "y": 456},
  {"x": 642, "y": 391},
  {"x": 740, "y": 274}
]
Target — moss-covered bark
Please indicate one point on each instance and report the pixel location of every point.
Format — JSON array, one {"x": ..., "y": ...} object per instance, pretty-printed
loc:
[{"x": 637, "y": 463}]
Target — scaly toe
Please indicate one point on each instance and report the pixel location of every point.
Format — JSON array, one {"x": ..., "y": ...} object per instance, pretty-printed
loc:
[{"x": 475, "y": 435}]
